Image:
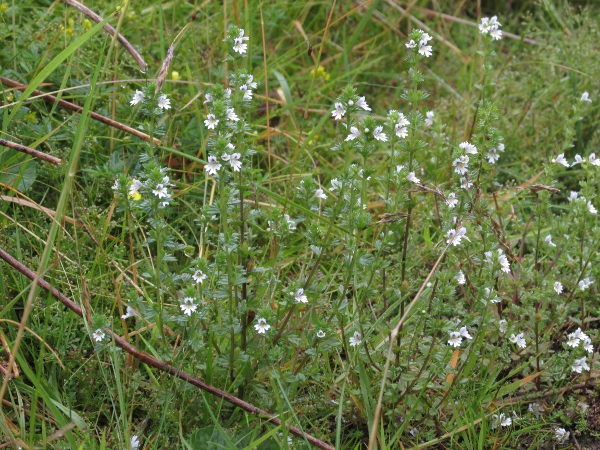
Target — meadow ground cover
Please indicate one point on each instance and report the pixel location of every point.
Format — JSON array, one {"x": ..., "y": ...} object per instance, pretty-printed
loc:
[{"x": 299, "y": 225}]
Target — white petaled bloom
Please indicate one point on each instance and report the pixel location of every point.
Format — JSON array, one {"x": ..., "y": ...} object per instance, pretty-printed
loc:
[
  {"x": 231, "y": 115},
  {"x": 535, "y": 408},
  {"x": 460, "y": 277},
  {"x": 239, "y": 46},
  {"x": 548, "y": 240},
  {"x": 227, "y": 93},
  {"x": 593, "y": 160},
  {"x": 320, "y": 194},
  {"x": 429, "y": 118},
  {"x": 411, "y": 44},
  {"x": 465, "y": 183},
  {"x": 402, "y": 120},
  {"x": 338, "y": 111},
  {"x": 504, "y": 264},
  {"x": 335, "y": 184},
  {"x": 291, "y": 224},
  {"x": 492, "y": 155},
  {"x": 211, "y": 122},
  {"x": 591, "y": 208},
  {"x": 455, "y": 339},
  {"x": 241, "y": 36},
  {"x": 461, "y": 164},
  {"x": 456, "y": 236},
  {"x": 465, "y": 333},
  {"x": 161, "y": 191},
  {"x": 502, "y": 325},
  {"x": 130, "y": 312},
  {"x": 234, "y": 161},
  {"x": 250, "y": 82},
  {"x": 188, "y": 306},
  {"x": 320, "y": 334},
  {"x": 560, "y": 159},
  {"x": 424, "y": 49},
  {"x": 578, "y": 160},
  {"x": 199, "y": 276},
  {"x": 115, "y": 187},
  {"x": 361, "y": 103},
  {"x": 208, "y": 98},
  {"x": 135, "y": 442},
  {"x": 505, "y": 421},
  {"x": 585, "y": 97},
  {"x": 519, "y": 340},
  {"x": 451, "y": 200},
  {"x": 399, "y": 168},
  {"x": 247, "y": 92},
  {"x": 491, "y": 26},
  {"x": 300, "y": 297},
  {"x": 213, "y": 165},
  {"x": 98, "y": 335},
  {"x": 411, "y": 177},
  {"x": 135, "y": 187},
  {"x": 488, "y": 257},
  {"x": 558, "y": 287},
  {"x": 468, "y": 148},
  {"x": 163, "y": 102},
  {"x": 573, "y": 196},
  {"x": 262, "y": 326},
  {"x": 561, "y": 435},
  {"x": 580, "y": 364},
  {"x": 573, "y": 340},
  {"x": 356, "y": 339},
  {"x": 379, "y": 134},
  {"x": 401, "y": 131},
  {"x": 138, "y": 97},
  {"x": 585, "y": 283},
  {"x": 354, "y": 133},
  {"x": 587, "y": 345}
]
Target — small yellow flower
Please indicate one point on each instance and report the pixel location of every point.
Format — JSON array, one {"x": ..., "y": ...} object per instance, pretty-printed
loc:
[
  {"x": 31, "y": 118},
  {"x": 71, "y": 22},
  {"x": 69, "y": 31},
  {"x": 136, "y": 196},
  {"x": 175, "y": 76},
  {"x": 3, "y": 8},
  {"x": 87, "y": 24},
  {"x": 10, "y": 97},
  {"x": 321, "y": 72}
]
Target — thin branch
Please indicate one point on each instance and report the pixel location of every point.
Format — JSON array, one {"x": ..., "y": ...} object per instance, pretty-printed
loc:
[
  {"x": 110, "y": 30},
  {"x": 71, "y": 106},
  {"x": 154, "y": 362},
  {"x": 31, "y": 151}
]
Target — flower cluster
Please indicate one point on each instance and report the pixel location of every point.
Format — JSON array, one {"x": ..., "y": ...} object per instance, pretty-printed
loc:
[
  {"x": 560, "y": 159},
  {"x": 577, "y": 337},
  {"x": 575, "y": 197},
  {"x": 163, "y": 103},
  {"x": 456, "y": 337},
  {"x": 518, "y": 339},
  {"x": 419, "y": 40},
  {"x": 491, "y": 26}
]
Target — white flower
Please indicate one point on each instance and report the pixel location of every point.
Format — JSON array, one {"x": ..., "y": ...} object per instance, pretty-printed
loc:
[
  {"x": 591, "y": 208},
  {"x": 115, "y": 186},
  {"x": 573, "y": 196},
  {"x": 227, "y": 93},
  {"x": 262, "y": 326},
  {"x": 354, "y": 133},
  {"x": 411, "y": 44},
  {"x": 519, "y": 340},
  {"x": 580, "y": 364},
  {"x": 250, "y": 82},
  {"x": 573, "y": 340},
  {"x": 548, "y": 240},
  {"x": 593, "y": 161},
  {"x": 209, "y": 98},
  {"x": 335, "y": 184},
  {"x": 578, "y": 160},
  {"x": 135, "y": 442},
  {"x": 468, "y": 148},
  {"x": 455, "y": 236},
  {"x": 320, "y": 334},
  {"x": 429, "y": 118},
  {"x": 488, "y": 257},
  {"x": 213, "y": 165},
  {"x": 402, "y": 120},
  {"x": 247, "y": 92},
  {"x": 231, "y": 115},
  {"x": 455, "y": 339},
  {"x": 411, "y": 177},
  {"x": 300, "y": 297},
  {"x": 98, "y": 335},
  {"x": 451, "y": 200},
  {"x": 241, "y": 36},
  {"x": 379, "y": 134},
  {"x": 505, "y": 421},
  {"x": 163, "y": 102},
  {"x": 587, "y": 345},
  {"x": 585, "y": 97},
  {"x": 560, "y": 159},
  {"x": 320, "y": 194},
  {"x": 135, "y": 187},
  {"x": 465, "y": 333},
  {"x": 239, "y": 46},
  {"x": 535, "y": 408},
  {"x": 161, "y": 191},
  {"x": 502, "y": 325},
  {"x": 356, "y": 339},
  {"x": 561, "y": 435},
  {"x": 558, "y": 287},
  {"x": 129, "y": 313},
  {"x": 461, "y": 165},
  {"x": 199, "y": 277},
  {"x": 424, "y": 49},
  {"x": 493, "y": 156},
  {"x": 362, "y": 104},
  {"x": 491, "y": 26},
  {"x": 460, "y": 277},
  {"x": 496, "y": 34},
  {"x": 187, "y": 306},
  {"x": 585, "y": 283},
  {"x": 234, "y": 161},
  {"x": 339, "y": 111},
  {"x": 465, "y": 183},
  {"x": 138, "y": 97},
  {"x": 401, "y": 131},
  {"x": 211, "y": 122},
  {"x": 504, "y": 264},
  {"x": 399, "y": 168}
]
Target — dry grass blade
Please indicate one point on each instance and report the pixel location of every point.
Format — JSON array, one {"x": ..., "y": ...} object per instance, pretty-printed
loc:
[
  {"x": 31, "y": 151},
  {"x": 110, "y": 30},
  {"x": 164, "y": 69},
  {"x": 72, "y": 107}
]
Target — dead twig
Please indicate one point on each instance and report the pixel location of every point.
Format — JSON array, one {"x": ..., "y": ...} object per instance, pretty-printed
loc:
[
  {"x": 31, "y": 151},
  {"x": 157, "y": 364}
]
